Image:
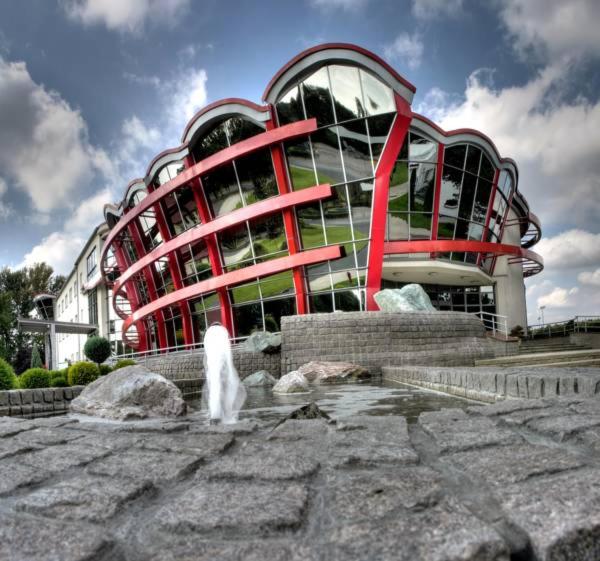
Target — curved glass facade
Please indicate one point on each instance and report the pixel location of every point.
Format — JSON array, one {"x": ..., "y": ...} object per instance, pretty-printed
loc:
[{"x": 356, "y": 185}]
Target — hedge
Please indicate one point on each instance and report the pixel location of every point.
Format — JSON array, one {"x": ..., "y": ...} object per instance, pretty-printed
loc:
[
  {"x": 82, "y": 373},
  {"x": 34, "y": 378},
  {"x": 8, "y": 380}
]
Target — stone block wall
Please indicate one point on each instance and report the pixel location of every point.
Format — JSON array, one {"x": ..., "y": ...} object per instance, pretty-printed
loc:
[
  {"x": 37, "y": 403},
  {"x": 377, "y": 339}
]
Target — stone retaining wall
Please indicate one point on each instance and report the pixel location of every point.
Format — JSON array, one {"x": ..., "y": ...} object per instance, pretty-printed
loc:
[
  {"x": 37, "y": 403},
  {"x": 496, "y": 383},
  {"x": 376, "y": 339},
  {"x": 191, "y": 366}
]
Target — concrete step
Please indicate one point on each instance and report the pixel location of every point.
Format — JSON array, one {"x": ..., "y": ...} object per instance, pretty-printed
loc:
[
  {"x": 553, "y": 348},
  {"x": 573, "y": 363},
  {"x": 560, "y": 357}
]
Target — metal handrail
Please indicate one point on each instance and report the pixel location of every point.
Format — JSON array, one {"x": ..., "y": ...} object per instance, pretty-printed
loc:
[
  {"x": 578, "y": 324},
  {"x": 495, "y": 323}
]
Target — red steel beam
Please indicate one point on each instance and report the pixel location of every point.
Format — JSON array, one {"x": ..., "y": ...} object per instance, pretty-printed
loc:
[{"x": 236, "y": 277}]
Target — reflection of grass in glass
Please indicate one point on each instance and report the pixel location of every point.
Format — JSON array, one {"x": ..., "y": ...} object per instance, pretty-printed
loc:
[
  {"x": 400, "y": 174},
  {"x": 302, "y": 178},
  {"x": 420, "y": 221},
  {"x": 445, "y": 230},
  {"x": 271, "y": 286},
  {"x": 399, "y": 203}
]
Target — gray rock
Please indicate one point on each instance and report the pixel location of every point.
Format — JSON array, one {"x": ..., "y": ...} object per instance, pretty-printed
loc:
[
  {"x": 263, "y": 342},
  {"x": 293, "y": 382},
  {"x": 259, "y": 379},
  {"x": 410, "y": 298},
  {"x": 61, "y": 457},
  {"x": 15, "y": 474},
  {"x": 331, "y": 372},
  {"x": 132, "y": 392}
]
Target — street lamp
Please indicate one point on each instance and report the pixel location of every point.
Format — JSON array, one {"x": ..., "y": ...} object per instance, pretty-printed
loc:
[{"x": 542, "y": 308}]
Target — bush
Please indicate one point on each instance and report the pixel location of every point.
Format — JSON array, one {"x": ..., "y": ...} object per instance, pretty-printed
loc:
[
  {"x": 82, "y": 373},
  {"x": 34, "y": 378},
  {"x": 97, "y": 349},
  {"x": 104, "y": 369},
  {"x": 59, "y": 382},
  {"x": 123, "y": 362},
  {"x": 517, "y": 331},
  {"x": 8, "y": 380}
]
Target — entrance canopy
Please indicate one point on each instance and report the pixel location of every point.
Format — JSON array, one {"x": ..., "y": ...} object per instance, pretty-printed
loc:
[{"x": 45, "y": 326}]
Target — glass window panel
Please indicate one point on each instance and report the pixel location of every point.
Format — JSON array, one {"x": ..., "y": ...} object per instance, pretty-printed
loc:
[
  {"x": 199, "y": 326},
  {"x": 455, "y": 156},
  {"x": 379, "y": 98},
  {"x": 347, "y": 301},
  {"x": 399, "y": 187},
  {"x": 422, "y": 149},
  {"x": 507, "y": 187},
  {"x": 379, "y": 129},
  {"x": 221, "y": 188},
  {"x": 256, "y": 176},
  {"x": 462, "y": 230},
  {"x": 311, "y": 225},
  {"x": 361, "y": 193},
  {"x": 210, "y": 143},
  {"x": 450, "y": 191},
  {"x": 275, "y": 309},
  {"x": 355, "y": 150},
  {"x": 487, "y": 170},
  {"x": 337, "y": 217},
  {"x": 467, "y": 195},
  {"x": 245, "y": 293},
  {"x": 317, "y": 97},
  {"x": 268, "y": 237},
  {"x": 235, "y": 245},
  {"x": 473, "y": 158},
  {"x": 422, "y": 187},
  {"x": 172, "y": 214},
  {"x": 446, "y": 226},
  {"x": 471, "y": 258},
  {"x": 320, "y": 303},
  {"x": 420, "y": 226},
  {"x": 239, "y": 129},
  {"x": 327, "y": 156},
  {"x": 347, "y": 94},
  {"x": 397, "y": 226},
  {"x": 275, "y": 285},
  {"x": 188, "y": 208},
  {"x": 318, "y": 277},
  {"x": 482, "y": 199},
  {"x": 248, "y": 319},
  {"x": 289, "y": 108},
  {"x": 211, "y": 301},
  {"x": 300, "y": 164},
  {"x": 475, "y": 231}
]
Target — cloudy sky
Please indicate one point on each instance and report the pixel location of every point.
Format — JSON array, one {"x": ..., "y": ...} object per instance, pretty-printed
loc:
[{"x": 90, "y": 90}]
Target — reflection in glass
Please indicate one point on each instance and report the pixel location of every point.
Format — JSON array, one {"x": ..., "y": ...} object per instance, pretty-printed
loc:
[
  {"x": 268, "y": 237},
  {"x": 397, "y": 226},
  {"x": 256, "y": 176},
  {"x": 194, "y": 263},
  {"x": 379, "y": 98},
  {"x": 473, "y": 158},
  {"x": 450, "y": 192},
  {"x": 235, "y": 246},
  {"x": 487, "y": 169},
  {"x": 317, "y": 97},
  {"x": 475, "y": 231},
  {"x": 482, "y": 199},
  {"x": 300, "y": 164},
  {"x": 422, "y": 186},
  {"x": 422, "y": 149},
  {"x": 347, "y": 301},
  {"x": 455, "y": 156},
  {"x": 347, "y": 95},
  {"x": 289, "y": 108},
  {"x": 379, "y": 128},
  {"x": 275, "y": 309},
  {"x": 360, "y": 194},
  {"x": 248, "y": 318},
  {"x": 355, "y": 150},
  {"x": 320, "y": 303},
  {"x": 420, "y": 226},
  {"x": 467, "y": 196},
  {"x": 222, "y": 191},
  {"x": 446, "y": 226},
  {"x": 239, "y": 129},
  {"x": 210, "y": 143},
  {"x": 245, "y": 293},
  {"x": 399, "y": 186},
  {"x": 276, "y": 285},
  {"x": 327, "y": 156}
]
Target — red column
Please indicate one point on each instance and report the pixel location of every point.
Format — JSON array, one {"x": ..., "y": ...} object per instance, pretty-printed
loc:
[
  {"x": 380, "y": 198},
  {"x": 291, "y": 229},
  {"x": 212, "y": 247}
]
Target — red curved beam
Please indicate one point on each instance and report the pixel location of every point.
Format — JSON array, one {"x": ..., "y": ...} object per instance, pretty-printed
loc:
[
  {"x": 239, "y": 276},
  {"x": 470, "y": 246},
  {"x": 243, "y": 148},
  {"x": 256, "y": 210},
  {"x": 329, "y": 46}
]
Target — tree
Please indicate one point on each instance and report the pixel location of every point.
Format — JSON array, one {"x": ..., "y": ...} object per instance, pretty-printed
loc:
[
  {"x": 36, "y": 359},
  {"x": 97, "y": 349}
]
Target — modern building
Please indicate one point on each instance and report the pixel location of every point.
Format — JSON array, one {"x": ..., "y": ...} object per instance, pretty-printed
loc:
[{"x": 312, "y": 202}]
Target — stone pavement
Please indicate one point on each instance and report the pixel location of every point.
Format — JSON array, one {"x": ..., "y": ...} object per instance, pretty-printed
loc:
[{"x": 516, "y": 480}]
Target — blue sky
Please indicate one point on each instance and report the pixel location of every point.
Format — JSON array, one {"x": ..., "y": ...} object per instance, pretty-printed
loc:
[{"x": 90, "y": 90}]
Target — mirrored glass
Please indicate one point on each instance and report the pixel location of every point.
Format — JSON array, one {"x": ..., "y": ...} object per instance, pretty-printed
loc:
[
  {"x": 446, "y": 226},
  {"x": 248, "y": 319},
  {"x": 450, "y": 191},
  {"x": 473, "y": 159},
  {"x": 361, "y": 193},
  {"x": 355, "y": 150},
  {"x": 268, "y": 237},
  {"x": 399, "y": 187},
  {"x": 310, "y": 223},
  {"x": 455, "y": 156},
  {"x": 318, "y": 277},
  {"x": 256, "y": 176},
  {"x": 317, "y": 97},
  {"x": 462, "y": 230},
  {"x": 239, "y": 129},
  {"x": 420, "y": 226},
  {"x": 245, "y": 293},
  {"x": 321, "y": 303},
  {"x": 482, "y": 199},
  {"x": 467, "y": 196},
  {"x": 347, "y": 300},
  {"x": 276, "y": 285},
  {"x": 487, "y": 170},
  {"x": 328, "y": 160},
  {"x": 378, "y": 97},
  {"x": 210, "y": 143},
  {"x": 222, "y": 191},
  {"x": 300, "y": 164},
  {"x": 397, "y": 226},
  {"x": 422, "y": 187},
  {"x": 275, "y": 310},
  {"x": 421, "y": 149},
  {"x": 235, "y": 247},
  {"x": 337, "y": 217},
  {"x": 347, "y": 94},
  {"x": 289, "y": 108},
  {"x": 379, "y": 129},
  {"x": 475, "y": 231}
]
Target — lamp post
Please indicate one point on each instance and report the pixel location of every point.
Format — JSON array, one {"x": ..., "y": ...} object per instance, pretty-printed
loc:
[{"x": 542, "y": 308}]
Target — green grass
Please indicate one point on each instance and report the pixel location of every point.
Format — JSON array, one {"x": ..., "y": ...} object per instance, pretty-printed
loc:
[
  {"x": 399, "y": 204},
  {"x": 303, "y": 178},
  {"x": 400, "y": 174}
]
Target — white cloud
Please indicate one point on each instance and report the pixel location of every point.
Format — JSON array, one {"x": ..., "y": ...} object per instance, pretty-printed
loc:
[
  {"x": 187, "y": 97},
  {"x": 431, "y": 9},
  {"x": 406, "y": 48},
  {"x": 89, "y": 213},
  {"x": 559, "y": 298},
  {"x": 570, "y": 249},
  {"x": 126, "y": 16},
  {"x": 59, "y": 250},
  {"x": 553, "y": 27},
  {"x": 554, "y": 142},
  {"x": 5, "y": 209},
  {"x": 335, "y": 5},
  {"x": 153, "y": 81},
  {"x": 589, "y": 277},
  {"x": 44, "y": 146}
]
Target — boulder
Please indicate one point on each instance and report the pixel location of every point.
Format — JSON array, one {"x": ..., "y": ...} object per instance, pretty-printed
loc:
[
  {"x": 259, "y": 379},
  {"x": 130, "y": 393},
  {"x": 322, "y": 372},
  {"x": 263, "y": 342},
  {"x": 410, "y": 298},
  {"x": 309, "y": 411},
  {"x": 293, "y": 382}
]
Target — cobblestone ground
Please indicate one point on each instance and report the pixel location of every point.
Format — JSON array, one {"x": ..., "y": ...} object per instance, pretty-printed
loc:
[{"x": 516, "y": 480}]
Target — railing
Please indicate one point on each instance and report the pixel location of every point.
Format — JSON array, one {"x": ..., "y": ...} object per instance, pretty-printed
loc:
[
  {"x": 495, "y": 323},
  {"x": 579, "y": 324}
]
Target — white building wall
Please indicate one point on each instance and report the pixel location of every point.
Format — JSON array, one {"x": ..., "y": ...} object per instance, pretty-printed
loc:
[{"x": 510, "y": 288}]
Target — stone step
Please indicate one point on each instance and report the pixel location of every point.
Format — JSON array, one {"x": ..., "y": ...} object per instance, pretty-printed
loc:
[
  {"x": 554, "y": 348},
  {"x": 570, "y": 363},
  {"x": 541, "y": 358}
]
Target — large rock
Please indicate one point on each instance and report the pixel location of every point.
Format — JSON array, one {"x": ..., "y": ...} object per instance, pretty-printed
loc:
[
  {"x": 259, "y": 379},
  {"x": 410, "y": 298},
  {"x": 132, "y": 392},
  {"x": 332, "y": 372},
  {"x": 263, "y": 342},
  {"x": 293, "y": 382}
]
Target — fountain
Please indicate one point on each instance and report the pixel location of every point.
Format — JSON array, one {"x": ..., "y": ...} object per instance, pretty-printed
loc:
[{"x": 223, "y": 393}]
